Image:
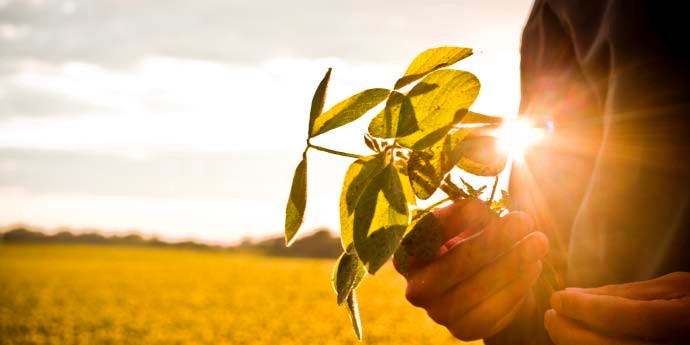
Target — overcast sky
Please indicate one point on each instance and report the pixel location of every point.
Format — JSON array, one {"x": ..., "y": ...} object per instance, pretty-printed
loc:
[{"x": 185, "y": 119}]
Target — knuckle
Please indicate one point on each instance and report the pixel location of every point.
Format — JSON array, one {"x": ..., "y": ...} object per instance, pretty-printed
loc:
[
  {"x": 464, "y": 333},
  {"x": 438, "y": 315},
  {"x": 414, "y": 295}
]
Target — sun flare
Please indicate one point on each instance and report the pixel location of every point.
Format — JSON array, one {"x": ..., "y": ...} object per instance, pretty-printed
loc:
[{"x": 516, "y": 135}]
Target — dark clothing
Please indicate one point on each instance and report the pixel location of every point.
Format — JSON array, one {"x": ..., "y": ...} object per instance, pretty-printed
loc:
[{"x": 611, "y": 185}]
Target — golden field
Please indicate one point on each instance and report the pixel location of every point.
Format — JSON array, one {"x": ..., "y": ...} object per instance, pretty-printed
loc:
[{"x": 74, "y": 294}]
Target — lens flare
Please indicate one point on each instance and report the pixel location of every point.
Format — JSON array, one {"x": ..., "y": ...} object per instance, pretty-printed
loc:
[{"x": 516, "y": 135}]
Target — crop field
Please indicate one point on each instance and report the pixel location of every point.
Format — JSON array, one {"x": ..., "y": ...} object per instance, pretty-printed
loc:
[{"x": 71, "y": 294}]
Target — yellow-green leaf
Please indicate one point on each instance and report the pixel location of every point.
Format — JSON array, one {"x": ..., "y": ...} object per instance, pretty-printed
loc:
[
  {"x": 480, "y": 155},
  {"x": 318, "y": 100},
  {"x": 294, "y": 212},
  {"x": 371, "y": 143},
  {"x": 380, "y": 218},
  {"x": 357, "y": 177},
  {"x": 408, "y": 191},
  {"x": 353, "y": 313},
  {"x": 423, "y": 237},
  {"x": 473, "y": 117},
  {"x": 397, "y": 119},
  {"x": 431, "y": 60},
  {"x": 348, "y": 110},
  {"x": 347, "y": 274},
  {"x": 430, "y": 110},
  {"x": 422, "y": 240},
  {"x": 440, "y": 101},
  {"x": 428, "y": 167}
]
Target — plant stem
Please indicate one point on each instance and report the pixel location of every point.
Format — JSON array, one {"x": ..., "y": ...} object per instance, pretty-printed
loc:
[
  {"x": 437, "y": 203},
  {"x": 493, "y": 191},
  {"x": 334, "y": 152}
]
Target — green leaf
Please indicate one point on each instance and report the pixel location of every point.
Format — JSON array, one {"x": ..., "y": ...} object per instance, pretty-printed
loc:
[
  {"x": 440, "y": 101},
  {"x": 353, "y": 313},
  {"x": 318, "y": 100},
  {"x": 348, "y": 110},
  {"x": 294, "y": 212},
  {"x": 371, "y": 143},
  {"x": 431, "y": 60},
  {"x": 357, "y": 177},
  {"x": 428, "y": 167},
  {"x": 477, "y": 118},
  {"x": 380, "y": 218},
  {"x": 422, "y": 240},
  {"x": 481, "y": 155},
  {"x": 452, "y": 190},
  {"x": 397, "y": 119},
  {"x": 423, "y": 237},
  {"x": 347, "y": 274},
  {"x": 402, "y": 260},
  {"x": 430, "y": 110},
  {"x": 408, "y": 191}
]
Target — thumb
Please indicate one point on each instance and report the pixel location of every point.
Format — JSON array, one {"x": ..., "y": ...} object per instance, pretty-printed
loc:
[{"x": 671, "y": 286}]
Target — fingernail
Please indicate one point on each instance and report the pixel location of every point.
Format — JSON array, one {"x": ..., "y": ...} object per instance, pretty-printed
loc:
[{"x": 548, "y": 317}]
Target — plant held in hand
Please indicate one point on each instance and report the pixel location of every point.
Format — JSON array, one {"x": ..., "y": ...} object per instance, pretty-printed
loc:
[{"x": 419, "y": 138}]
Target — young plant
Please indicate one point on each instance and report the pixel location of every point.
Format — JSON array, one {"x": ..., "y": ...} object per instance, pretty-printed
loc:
[{"x": 419, "y": 138}]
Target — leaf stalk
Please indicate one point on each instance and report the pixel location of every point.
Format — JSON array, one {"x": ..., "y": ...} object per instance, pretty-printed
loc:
[
  {"x": 493, "y": 191},
  {"x": 334, "y": 152}
]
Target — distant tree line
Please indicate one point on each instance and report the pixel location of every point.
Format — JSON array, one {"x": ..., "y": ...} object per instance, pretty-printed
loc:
[{"x": 320, "y": 244}]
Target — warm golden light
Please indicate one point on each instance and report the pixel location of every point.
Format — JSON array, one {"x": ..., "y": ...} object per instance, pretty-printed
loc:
[{"x": 516, "y": 135}]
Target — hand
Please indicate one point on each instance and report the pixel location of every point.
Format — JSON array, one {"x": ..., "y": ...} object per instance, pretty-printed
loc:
[
  {"x": 482, "y": 275},
  {"x": 646, "y": 312}
]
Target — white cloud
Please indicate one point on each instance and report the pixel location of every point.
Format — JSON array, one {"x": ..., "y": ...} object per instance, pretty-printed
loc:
[{"x": 169, "y": 104}]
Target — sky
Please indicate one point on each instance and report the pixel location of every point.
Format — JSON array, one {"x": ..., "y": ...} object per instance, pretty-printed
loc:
[{"x": 186, "y": 119}]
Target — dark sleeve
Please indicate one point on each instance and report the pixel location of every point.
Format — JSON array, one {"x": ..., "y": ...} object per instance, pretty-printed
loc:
[
  {"x": 611, "y": 185},
  {"x": 633, "y": 223}
]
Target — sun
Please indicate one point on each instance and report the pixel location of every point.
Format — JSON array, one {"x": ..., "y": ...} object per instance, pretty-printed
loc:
[{"x": 516, "y": 135}]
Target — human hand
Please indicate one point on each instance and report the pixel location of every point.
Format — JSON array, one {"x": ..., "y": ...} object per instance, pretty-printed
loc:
[
  {"x": 482, "y": 275},
  {"x": 646, "y": 312}
]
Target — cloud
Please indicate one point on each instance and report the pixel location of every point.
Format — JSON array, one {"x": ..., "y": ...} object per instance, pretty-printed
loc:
[
  {"x": 18, "y": 100},
  {"x": 177, "y": 104},
  {"x": 77, "y": 57},
  {"x": 172, "y": 174},
  {"x": 116, "y": 32}
]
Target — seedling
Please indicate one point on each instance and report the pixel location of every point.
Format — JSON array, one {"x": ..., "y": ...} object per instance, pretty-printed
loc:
[{"x": 420, "y": 141}]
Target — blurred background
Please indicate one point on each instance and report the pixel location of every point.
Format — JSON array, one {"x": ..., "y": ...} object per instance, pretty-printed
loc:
[{"x": 184, "y": 121}]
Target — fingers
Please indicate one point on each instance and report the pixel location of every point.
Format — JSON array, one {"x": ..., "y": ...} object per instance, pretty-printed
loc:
[
  {"x": 466, "y": 216},
  {"x": 468, "y": 258},
  {"x": 488, "y": 281},
  {"x": 656, "y": 319},
  {"x": 495, "y": 313},
  {"x": 563, "y": 331},
  {"x": 670, "y": 286}
]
